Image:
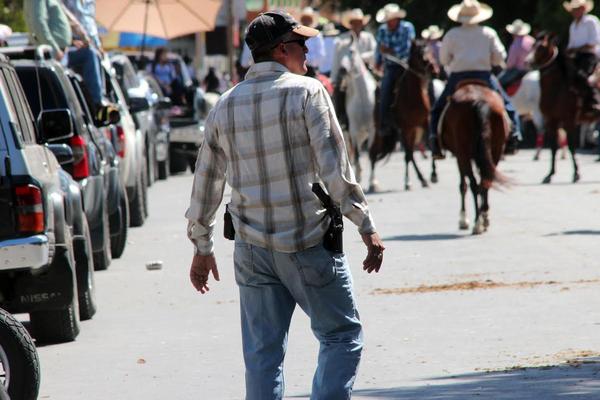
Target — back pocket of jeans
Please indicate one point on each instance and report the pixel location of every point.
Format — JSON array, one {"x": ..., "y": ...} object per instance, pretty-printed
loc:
[{"x": 316, "y": 265}]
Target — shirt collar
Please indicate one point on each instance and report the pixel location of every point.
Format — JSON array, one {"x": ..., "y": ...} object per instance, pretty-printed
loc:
[{"x": 265, "y": 68}]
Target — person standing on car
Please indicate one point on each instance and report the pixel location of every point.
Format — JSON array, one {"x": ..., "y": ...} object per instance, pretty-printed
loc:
[
  {"x": 270, "y": 137},
  {"x": 49, "y": 23}
]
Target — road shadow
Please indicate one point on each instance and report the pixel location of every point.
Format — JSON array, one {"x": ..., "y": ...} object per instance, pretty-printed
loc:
[
  {"x": 579, "y": 381},
  {"x": 580, "y": 232},
  {"x": 430, "y": 237}
]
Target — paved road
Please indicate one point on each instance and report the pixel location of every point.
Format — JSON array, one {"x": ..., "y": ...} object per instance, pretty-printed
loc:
[{"x": 450, "y": 316}]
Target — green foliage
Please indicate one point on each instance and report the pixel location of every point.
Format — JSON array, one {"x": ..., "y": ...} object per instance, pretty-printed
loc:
[
  {"x": 11, "y": 14},
  {"x": 541, "y": 14}
]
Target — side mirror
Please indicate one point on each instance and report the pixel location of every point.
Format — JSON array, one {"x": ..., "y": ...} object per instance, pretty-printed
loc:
[
  {"x": 62, "y": 152},
  {"x": 107, "y": 115},
  {"x": 164, "y": 103},
  {"x": 137, "y": 104},
  {"x": 55, "y": 125}
]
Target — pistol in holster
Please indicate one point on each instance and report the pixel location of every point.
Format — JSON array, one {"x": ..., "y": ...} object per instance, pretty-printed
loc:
[
  {"x": 334, "y": 237},
  {"x": 228, "y": 228}
]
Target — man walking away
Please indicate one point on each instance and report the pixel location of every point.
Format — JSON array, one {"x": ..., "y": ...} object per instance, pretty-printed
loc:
[{"x": 271, "y": 137}]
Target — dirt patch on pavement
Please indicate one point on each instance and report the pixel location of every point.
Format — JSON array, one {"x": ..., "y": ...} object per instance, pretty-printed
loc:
[
  {"x": 570, "y": 357},
  {"x": 476, "y": 285}
]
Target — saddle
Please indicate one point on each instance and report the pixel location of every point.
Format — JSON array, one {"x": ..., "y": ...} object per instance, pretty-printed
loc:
[{"x": 471, "y": 81}]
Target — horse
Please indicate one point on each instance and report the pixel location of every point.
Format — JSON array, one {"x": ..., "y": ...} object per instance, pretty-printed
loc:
[
  {"x": 411, "y": 110},
  {"x": 475, "y": 128},
  {"x": 559, "y": 105},
  {"x": 360, "y": 87}
]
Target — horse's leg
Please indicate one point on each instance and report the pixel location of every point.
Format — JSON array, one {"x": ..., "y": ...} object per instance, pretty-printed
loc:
[
  {"x": 407, "y": 160},
  {"x": 552, "y": 132},
  {"x": 419, "y": 174},
  {"x": 463, "y": 222},
  {"x": 475, "y": 189},
  {"x": 357, "y": 166},
  {"x": 373, "y": 150},
  {"x": 434, "y": 176},
  {"x": 415, "y": 134},
  {"x": 572, "y": 140},
  {"x": 485, "y": 208}
]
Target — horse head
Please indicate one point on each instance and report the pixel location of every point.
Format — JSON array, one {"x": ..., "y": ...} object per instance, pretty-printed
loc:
[
  {"x": 544, "y": 51},
  {"x": 419, "y": 59}
]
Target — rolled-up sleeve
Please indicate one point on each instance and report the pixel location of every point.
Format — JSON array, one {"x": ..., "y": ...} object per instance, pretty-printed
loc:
[
  {"x": 329, "y": 150},
  {"x": 207, "y": 190}
]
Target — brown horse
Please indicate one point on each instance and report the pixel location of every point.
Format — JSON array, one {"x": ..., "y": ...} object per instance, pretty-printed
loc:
[
  {"x": 559, "y": 104},
  {"x": 476, "y": 129},
  {"x": 411, "y": 109}
]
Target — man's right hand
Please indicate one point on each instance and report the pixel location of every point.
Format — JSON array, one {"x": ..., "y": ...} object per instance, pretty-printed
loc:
[
  {"x": 59, "y": 55},
  {"x": 375, "y": 250}
]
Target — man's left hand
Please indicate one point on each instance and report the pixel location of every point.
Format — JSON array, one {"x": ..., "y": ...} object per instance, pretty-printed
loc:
[{"x": 200, "y": 269}]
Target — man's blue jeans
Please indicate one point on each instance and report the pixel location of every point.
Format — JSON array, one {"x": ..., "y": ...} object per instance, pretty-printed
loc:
[
  {"x": 388, "y": 83},
  {"x": 453, "y": 81},
  {"x": 271, "y": 284},
  {"x": 86, "y": 62}
]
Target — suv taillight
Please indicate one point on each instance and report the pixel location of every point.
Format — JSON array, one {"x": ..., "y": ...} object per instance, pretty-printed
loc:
[
  {"x": 30, "y": 209},
  {"x": 120, "y": 141},
  {"x": 81, "y": 167}
]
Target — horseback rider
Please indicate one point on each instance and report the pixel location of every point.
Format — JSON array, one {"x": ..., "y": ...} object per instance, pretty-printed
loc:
[
  {"x": 355, "y": 21},
  {"x": 521, "y": 46},
  {"x": 469, "y": 52},
  {"x": 584, "y": 46},
  {"x": 433, "y": 35},
  {"x": 394, "y": 38}
]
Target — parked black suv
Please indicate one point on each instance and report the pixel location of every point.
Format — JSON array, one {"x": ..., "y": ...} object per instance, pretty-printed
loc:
[{"x": 46, "y": 264}]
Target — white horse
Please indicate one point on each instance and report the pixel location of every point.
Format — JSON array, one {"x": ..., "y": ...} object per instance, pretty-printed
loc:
[{"x": 360, "y": 86}]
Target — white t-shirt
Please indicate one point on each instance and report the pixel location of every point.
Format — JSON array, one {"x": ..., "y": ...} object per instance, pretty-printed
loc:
[
  {"x": 584, "y": 32},
  {"x": 471, "y": 48}
]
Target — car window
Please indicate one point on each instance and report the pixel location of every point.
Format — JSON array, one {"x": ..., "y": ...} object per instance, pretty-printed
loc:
[
  {"x": 25, "y": 116},
  {"x": 49, "y": 89},
  {"x": 12, "y": 112}
]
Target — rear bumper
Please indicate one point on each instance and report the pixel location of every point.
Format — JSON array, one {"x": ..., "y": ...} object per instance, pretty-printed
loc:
[
  {"x": 193, "y": 134},
  {"x": 31, "y": 252}
]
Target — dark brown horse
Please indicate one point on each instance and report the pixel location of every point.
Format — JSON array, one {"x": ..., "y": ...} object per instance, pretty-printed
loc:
[
  {"x": 559, "y": 104},
  {"x": 475, "y": 129},
  {"x": 411, "y": 110}
]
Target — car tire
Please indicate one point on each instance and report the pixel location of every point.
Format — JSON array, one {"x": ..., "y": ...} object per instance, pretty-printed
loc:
[
  {"x": 192, "y": 164},
  {"x": 136, "y": 204},
  {"x": 86, "y": 285},
  {"x": 145, "y": 197},
  {"x": 103, "y": 257},
  {"x": 18, "y": 351},
  {"x": 163, "y": 169},
  {"x": 178, "y": 164},
  {"x": 117, "y": 246}
]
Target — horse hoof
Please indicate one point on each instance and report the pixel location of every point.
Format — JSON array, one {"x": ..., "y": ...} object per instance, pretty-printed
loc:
[
  {"x": 434, "y": 178},
  {"x": 463, "y": 225},
  {"x": 373, "y": 188},
  {"x": 576, "y": 178},
  {"x": 478, "y": 229},
  {"x": 536, "y": 157},
  {"x": 407, "y": 187},
  {"x": 424, "y": 184},
  {"x": 547, "y": 180}
]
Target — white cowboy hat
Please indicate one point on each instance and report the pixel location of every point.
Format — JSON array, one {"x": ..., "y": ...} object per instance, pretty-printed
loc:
[
  {"x": 390, "y": 11},
  {"x": 353, "y": 15},
  {"x": 470, "y": 12},
  {"x": 5, "y": 31},
  {"x": 329, "y": 29},
  {"x": 519, "y": 28},
  {"x": 314, "y": 16},
  {"x": 573, "y": 4},
  {"x": 432, "y": 33}
]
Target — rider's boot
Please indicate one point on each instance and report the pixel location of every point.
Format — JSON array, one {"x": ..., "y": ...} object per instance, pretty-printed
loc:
[{"x": 436, "y": 149}]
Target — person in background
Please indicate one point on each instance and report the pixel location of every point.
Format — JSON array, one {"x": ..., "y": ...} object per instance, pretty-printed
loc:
[
  {"x": 520, "y": 48},
  {"x": 5, "y": 32},
  {"x": 470, "y": 51},
  {"x": 330, "y": 33},
  {"x": 584, "y": 47},
  {"x": 270, "y": 138},
  {"x": 163, "y": 70},
  {"x": 211, "y": 82},
  {"x": 316, "y": 48},
  {"x": 433, "y": 35},
  {"x": 84, "y": 12},
  {"x": 50, "y": 22},
  {"x": 394, "y": 38}
]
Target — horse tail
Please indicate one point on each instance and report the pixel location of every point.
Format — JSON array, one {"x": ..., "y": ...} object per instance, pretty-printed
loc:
[{"x": 483, "y": 153}]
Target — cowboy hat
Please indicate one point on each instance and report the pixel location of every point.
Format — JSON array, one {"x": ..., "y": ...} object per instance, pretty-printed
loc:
[
  {"x": 573, "y": 4},
  {"x": 389, "y": 12},
  {"x": 310, "y": 12},
  {"x": 519, "y": 28},
  {"x": 432, "y": 33},
  {"x": 329, "y": 29},
  {"x": 470, "y": 12},
  {"x": 353, "y": 15}
]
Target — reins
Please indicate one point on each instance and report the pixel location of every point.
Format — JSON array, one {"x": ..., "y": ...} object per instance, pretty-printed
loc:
[
  {"x": 405, "y": 65},
  {"x": 542, "y": 68}
]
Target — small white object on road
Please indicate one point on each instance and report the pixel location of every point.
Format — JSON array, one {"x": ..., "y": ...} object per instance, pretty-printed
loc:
[{"x": 154, "y": 265}]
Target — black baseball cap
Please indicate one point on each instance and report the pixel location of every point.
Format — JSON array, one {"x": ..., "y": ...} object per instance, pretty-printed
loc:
[{"x": 269, "y": 28}]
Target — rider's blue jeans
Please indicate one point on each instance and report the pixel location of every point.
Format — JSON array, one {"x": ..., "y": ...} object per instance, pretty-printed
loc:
[
  {"x": 453, "y": 81},
  {"x": 271, "y": 284},
  {"x": 390, "y": 73}
]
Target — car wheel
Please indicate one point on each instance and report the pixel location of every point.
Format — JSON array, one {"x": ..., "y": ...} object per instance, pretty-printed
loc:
[
  {"x": 103, "y": 257},
  {"x": 163, "y": 169},
  {"x": 86, "y": 286},
  {"x": 19, "y": 362},
  {"x": 145, "y": 197},
  {"x": 117, "y": 246},
  {"x": 136, "y": 205},
  {"x": 178, "y": 164}
]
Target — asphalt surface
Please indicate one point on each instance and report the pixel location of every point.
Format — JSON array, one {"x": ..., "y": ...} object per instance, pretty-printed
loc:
[{"x": 511, "y": 314}]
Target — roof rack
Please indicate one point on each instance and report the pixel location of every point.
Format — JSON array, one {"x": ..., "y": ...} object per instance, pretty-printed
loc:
[{"x": 38, "y": 53}]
